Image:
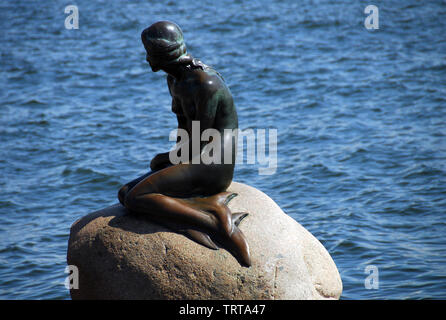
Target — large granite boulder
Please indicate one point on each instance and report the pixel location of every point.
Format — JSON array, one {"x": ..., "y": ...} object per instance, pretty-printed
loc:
[{"x": 120, "y": 256}]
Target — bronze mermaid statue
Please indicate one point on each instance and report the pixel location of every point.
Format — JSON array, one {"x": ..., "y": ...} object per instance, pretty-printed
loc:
[{"x": 191, "y": 196}]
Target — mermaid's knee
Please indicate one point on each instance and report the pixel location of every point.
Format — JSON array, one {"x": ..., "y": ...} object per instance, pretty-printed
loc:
[
  {"x": 122, "y": 194},
  {"x": 130, "y": 200},
  {"x": 143, "y": 203},
  {"x": 133, "y": 197}
]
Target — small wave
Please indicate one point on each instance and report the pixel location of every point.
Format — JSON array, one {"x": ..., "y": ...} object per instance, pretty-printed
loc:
[
  {"x": 33, "y": 102},
  {"x": 347, "y": 244},
  {"x": 313, "y": 24},
  {"x": 15, "y": 249},
  {"x": 39, "y": 123},
  {"x": 357, "y": 153},
  {"x": 422, "y": 171},
  {"x": 319, "y": 170}
]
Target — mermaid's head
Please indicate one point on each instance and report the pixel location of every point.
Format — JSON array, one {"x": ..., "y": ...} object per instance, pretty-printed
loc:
[{"x": 164, "y": 44}]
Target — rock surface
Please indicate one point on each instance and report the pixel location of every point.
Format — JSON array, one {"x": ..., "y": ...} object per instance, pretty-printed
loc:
[{"x": 120, "y": 256}]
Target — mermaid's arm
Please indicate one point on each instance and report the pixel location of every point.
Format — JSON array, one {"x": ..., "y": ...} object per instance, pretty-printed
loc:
[
  {"x": 162, "y": 160},
  {"x": 206, "y": 109}
]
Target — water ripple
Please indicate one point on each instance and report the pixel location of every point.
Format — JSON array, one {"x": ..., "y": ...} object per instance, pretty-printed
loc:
[{"x": 360, "y": 118}]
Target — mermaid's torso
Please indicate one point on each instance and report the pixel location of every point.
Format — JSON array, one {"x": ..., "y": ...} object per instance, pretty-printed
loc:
[{"x": 203, "y": 96}]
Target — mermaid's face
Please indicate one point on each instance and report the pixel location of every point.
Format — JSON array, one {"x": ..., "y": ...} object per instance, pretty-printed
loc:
[
  {"x": 154, "y": 63},
  {"x": 155, "y": 66}
]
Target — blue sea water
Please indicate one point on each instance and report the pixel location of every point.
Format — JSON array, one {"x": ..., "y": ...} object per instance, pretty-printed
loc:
[{"x": 360, "y": 116}]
